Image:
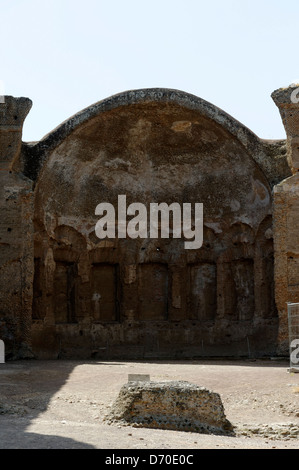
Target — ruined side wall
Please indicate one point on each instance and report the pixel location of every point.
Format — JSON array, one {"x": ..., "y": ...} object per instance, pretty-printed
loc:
[
  {"x": 286, "y": 217},
  {"x": 16, "y": 232}
]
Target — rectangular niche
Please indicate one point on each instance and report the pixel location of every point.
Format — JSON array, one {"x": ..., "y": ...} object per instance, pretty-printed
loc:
[
  {"x": 37, "y": 305},
  {"x": 239, "y": 289},
  {"x": 267, "y": 300},
  {"x": 203, "y": 291},
  {"x": 153, "y": 291},
  {"x": 65, "y": 292},
  {"x": 104, "y": 292}
]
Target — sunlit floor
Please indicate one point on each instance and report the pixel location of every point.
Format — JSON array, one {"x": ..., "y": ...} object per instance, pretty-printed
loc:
[{"x": 61, "y": 404}]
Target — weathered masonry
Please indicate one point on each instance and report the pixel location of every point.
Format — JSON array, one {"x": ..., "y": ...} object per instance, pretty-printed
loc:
[{"x": 65, "y": 293}]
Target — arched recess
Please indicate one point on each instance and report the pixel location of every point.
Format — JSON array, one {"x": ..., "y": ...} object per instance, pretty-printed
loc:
[{"x": 156, "y": 146}]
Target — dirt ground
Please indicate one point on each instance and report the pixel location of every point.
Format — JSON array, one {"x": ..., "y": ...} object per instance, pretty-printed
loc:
[{"x": 62, "y": 404}]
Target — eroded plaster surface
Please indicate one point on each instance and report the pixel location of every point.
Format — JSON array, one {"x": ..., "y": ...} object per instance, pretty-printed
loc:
[{"x": 146, "y": 297}]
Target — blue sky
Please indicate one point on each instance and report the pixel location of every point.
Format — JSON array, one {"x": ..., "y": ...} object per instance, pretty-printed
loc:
[{"x": 68, "y": 54}]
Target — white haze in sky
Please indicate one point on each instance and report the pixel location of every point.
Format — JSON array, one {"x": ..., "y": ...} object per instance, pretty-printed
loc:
[{"x": 68, "y": 54}]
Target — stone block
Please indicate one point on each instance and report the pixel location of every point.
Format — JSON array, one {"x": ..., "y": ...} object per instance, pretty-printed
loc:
[
  {"x": 174, "y": 405},
  {"x": 2, "y": 352}
]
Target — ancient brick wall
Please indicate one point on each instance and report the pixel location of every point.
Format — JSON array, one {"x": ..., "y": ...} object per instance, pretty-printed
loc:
[
  {"x": 286, "y": 221},
  {"x": 16, "y": 232},
  {"x": 124, "y": 297}
]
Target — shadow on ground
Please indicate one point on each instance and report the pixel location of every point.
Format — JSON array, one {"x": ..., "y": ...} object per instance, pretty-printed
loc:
[{"x": 27, "y": 387}]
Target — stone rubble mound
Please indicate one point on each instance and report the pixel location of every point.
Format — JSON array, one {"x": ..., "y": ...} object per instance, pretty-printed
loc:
[{"x": 174, "y": 405}]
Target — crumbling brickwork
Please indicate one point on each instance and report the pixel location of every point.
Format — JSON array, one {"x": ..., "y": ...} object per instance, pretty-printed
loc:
[
  {"x": 16, "y": 232},
  {"x": 122, "y": 297},
  {"x": 286, "y": 221}
]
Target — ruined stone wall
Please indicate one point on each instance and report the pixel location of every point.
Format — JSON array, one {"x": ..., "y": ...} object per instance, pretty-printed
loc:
[
  {"x": 286, "y": 210},
  {"x": 145, "y": 297},
  {"x": 16, "y": 232}
]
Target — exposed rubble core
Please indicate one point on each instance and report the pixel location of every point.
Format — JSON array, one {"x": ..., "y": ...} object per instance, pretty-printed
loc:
[{"x": 178, "y": 406}]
